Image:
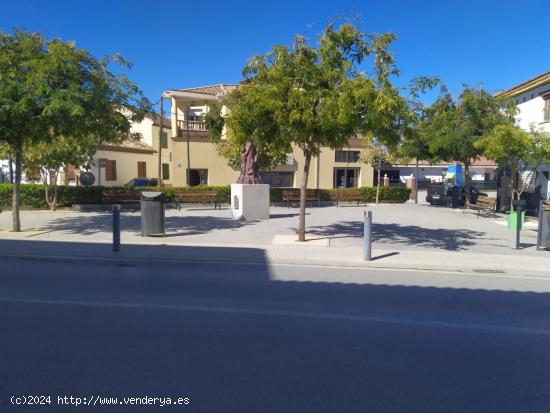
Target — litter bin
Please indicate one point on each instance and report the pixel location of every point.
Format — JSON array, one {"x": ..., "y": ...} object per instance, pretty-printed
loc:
[
  {"x": 152, "y": 214},
  {"x": 543, "y": 239}
]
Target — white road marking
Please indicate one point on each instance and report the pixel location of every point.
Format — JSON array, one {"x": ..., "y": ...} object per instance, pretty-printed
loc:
[{"x": 282, "y": 313}]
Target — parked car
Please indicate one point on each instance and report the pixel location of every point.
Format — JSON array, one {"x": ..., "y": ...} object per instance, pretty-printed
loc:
[
  {"x": 138, "y": 182},
  {"x": 438, "y": 193}
]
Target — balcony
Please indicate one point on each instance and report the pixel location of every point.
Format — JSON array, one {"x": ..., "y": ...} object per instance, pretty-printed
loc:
[{"x": 196, "y": 128}]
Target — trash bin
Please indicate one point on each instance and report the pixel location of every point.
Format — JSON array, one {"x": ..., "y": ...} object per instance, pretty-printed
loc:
[
  {"x": 152, "y": 214},
  {"x": 543, "y": 238}
]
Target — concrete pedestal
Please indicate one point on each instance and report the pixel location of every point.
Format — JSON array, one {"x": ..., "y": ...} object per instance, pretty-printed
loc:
[{"x": 250, "y": 202}]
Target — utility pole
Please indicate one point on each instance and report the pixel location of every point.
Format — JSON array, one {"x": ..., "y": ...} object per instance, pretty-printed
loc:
[
  {"x": 188, "y": 150},
  {"x": 160, "y": 139},
  {"x": 416, "y": 183}
]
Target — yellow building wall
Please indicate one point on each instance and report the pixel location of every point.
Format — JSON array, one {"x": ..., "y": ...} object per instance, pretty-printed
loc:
[
  {"x": 204, "y": 156},
  {"x": 126, "y": 166}
]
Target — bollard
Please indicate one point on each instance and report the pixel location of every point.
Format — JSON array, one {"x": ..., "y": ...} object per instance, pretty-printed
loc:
[
  {"x": 116, "y": 228},
  {"x": 518, "y": 229},
  {"x": 367, "y": 239}
]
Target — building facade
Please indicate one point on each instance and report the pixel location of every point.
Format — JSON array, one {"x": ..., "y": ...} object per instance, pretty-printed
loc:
[
  {"x": 532, "y": 99},
  {"x": 192, "y": 150}
]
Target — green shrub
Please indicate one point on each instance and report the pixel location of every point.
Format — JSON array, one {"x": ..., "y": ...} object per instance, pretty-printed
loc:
[
  {"x": 32, "y": 195},
  {"x": 395, "y": 194}
]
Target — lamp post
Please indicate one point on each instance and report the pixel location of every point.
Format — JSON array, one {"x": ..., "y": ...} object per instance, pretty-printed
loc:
[
  {"x": 416, "y": 183},
  {"x": 188, "y": 146},
  {"x": 160, "y": 140}
]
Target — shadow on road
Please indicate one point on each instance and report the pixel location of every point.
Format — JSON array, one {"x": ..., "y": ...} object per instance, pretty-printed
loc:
[{"x": 239, "y": 336}]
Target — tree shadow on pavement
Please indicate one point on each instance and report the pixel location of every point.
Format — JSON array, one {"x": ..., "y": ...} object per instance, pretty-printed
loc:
[
  {"x": 447, "y": 239},
  {"x": 182, "y": 225}
]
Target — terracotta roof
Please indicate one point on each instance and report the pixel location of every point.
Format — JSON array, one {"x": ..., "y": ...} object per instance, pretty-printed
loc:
[
  {"x": 130, "y": 145},
  {"x": 214, "y": 90},
  {"x": 528, "y": 84}
]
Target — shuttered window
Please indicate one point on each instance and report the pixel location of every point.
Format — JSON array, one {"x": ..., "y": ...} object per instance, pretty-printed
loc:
[
  {"x": 164, "y": 140},
  {"x": 547, "y": 109},
  {"x": 142, "y": 169},
  {"x": 110, "y": 170},
  {"x": 165, "y": 171}
]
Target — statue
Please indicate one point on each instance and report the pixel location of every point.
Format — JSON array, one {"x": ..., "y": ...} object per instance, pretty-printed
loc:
[{"x": 250, "y": 171}]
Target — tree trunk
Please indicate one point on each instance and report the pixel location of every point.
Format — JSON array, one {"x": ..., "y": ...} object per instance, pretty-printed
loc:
[
  {"x": 303, "y": 190},
  {"x": 16, "y": 221},
  {"x": 513, "y": 191},
  {"x": 50, "y": 190},
  {"x": 467, "y": 184},
  {"x": 378, "y": 184}
]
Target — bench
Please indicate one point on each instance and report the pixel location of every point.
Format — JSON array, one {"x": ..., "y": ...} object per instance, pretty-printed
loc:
[
  {"x": 347, "y": 195},
  {"x": 293, "y": 195},
  {"x": 197, "y": 197},
  {"x": 120, "y": 196},
  {"x": 484, "y": 203}
]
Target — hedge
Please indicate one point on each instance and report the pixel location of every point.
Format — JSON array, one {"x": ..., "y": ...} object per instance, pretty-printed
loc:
[
  {"x": 32, "y": 195},
  {"x": 397, "y": 194}
]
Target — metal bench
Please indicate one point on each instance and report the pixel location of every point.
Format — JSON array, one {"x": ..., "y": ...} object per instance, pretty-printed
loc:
[
  {"x": 484, "y": 203},
  {"x": 347, "y": 195},
  {"x": 198, "y": 197},
  {"x": 120, "y": 196},
  {"x": 293, "y": 195}
]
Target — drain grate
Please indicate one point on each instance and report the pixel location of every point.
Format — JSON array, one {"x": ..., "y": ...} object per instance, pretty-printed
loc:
[{"x": 488, "y": 271}]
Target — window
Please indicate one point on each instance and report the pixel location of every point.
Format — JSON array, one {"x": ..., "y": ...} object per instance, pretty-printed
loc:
[
  {"x": 110, "y": 170},
  {"x": 345, "y": 177},
  {"x": 142, "y": 169},
  {"x": 164, "y": 140},
  {"x": 198, "y": 177},
  {"x": 278, "y": 179},
  {"x": 346, "y": 156},
  {"x": 166, "y": 171},
  {"x": 547, "y": 109}
]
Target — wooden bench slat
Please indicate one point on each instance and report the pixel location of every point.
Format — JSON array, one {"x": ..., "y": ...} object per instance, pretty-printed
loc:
[{"x": 197, "y": 196}]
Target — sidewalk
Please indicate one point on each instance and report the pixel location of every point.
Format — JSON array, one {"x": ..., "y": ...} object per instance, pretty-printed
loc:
[{"x": 405, "y": 237}]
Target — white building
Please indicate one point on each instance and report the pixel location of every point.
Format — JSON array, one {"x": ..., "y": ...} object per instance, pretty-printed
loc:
[{"x": 532, "y": 98}]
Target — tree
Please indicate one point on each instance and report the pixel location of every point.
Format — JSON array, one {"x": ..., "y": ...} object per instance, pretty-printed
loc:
[
  {"x": 511, "y": 146},
  {"x": 451, "y": 128},
  {"x": 313, "y": 96},
  {"x": 377, "y": 154},
  {"x": 50, "y": 88}
]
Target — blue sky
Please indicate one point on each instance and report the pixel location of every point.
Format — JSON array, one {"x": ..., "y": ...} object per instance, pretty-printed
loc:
[{"x": 175, "y": 44}]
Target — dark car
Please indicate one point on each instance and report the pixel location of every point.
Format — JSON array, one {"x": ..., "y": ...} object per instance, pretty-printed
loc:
[
  {"x": 139, "y": 182},
  {"x": 438, "y": 194}
]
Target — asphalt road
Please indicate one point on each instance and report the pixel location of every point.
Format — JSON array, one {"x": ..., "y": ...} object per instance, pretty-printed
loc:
[{"x": 259, "y": 338}]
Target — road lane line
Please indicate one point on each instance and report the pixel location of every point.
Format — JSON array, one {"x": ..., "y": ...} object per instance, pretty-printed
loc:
[{"x": 282, "y": 313}]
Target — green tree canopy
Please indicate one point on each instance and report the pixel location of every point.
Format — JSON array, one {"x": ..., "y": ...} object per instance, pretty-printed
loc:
[
  {"x": 515, "y": 148},
  {"x": 450, "y": 129},
  {"x": 312, "y": 96},
  {"x": 51, "y": 88}
]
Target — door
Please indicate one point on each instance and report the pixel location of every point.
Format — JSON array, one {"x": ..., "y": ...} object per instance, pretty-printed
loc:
[{"x": 345, "y": 177}]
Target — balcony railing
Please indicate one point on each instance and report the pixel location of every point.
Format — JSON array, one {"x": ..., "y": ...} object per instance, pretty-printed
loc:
[{"x": 191, "y": 125}]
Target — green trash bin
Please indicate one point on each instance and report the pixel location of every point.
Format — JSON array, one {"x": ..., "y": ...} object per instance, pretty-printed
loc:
[{"x": 512, "y": 219}]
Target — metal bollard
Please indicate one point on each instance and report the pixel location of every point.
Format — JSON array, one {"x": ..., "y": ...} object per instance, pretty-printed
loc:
[
  {"x": 116, "y": 228},
  {"x": 518, "y": 229},
  {"x": 367, "y": 239}
]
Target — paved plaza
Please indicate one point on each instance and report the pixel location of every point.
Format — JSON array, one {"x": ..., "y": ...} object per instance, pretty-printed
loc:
[{"x": 404, "y": 235}]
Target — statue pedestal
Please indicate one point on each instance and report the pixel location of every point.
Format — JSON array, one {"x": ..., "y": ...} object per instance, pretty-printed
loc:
[{"x": 250, "y": 202}]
